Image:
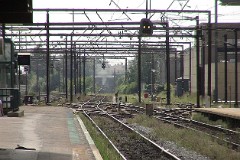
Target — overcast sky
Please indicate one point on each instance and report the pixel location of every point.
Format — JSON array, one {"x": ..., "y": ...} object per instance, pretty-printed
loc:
[{"x": 226, "y": 13}]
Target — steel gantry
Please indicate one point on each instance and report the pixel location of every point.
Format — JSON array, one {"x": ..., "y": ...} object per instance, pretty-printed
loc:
[{"x": 93, "y": 31}]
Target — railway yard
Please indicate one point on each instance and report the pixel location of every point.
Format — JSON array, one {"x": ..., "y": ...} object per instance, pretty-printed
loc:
[
  {"x": 120, "y": 124},
  {"x": 97, "y": 128},
  {"x": 119, "y": 80}
]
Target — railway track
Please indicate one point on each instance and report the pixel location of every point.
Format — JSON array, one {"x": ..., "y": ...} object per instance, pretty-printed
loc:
[
  {"x": 178, "y": 118},
  {"x": 118, "y": 113},
  {"x": 128, "y": 143},
  {"x": 229, "y": 137}
]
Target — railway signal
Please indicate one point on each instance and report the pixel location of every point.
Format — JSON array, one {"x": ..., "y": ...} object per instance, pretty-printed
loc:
[
  {"x": 26, "y": 68},
  {"x": 146, "y": 27},
  {"x": 103, "y": 65}
]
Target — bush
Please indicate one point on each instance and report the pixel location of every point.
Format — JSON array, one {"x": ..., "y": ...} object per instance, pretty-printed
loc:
[{"x": 128, "y": 88}]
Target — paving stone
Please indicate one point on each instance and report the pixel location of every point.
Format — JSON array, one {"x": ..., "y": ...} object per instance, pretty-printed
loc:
[{"x": 53, "y": 131}]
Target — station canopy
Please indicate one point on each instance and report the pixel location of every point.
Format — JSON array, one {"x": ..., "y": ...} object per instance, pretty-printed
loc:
[{"x": 230, "y": 2}]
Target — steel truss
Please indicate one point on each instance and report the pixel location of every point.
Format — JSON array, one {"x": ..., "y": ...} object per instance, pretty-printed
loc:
[{"x": 115, "y": 38}]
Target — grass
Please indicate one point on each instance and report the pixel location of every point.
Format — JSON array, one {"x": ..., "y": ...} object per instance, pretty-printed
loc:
[
  {"x": 106, "y": 150},
  {"x": 204, "y": 119},
  {"x": 191, "y": 140}
]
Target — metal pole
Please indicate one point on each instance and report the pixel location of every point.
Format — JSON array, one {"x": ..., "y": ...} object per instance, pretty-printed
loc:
[
  {"x": 182, "y": 72},
  {"x": 26, "y": 92},
  {"x": 197, "y": 61},
  {"x": 71, "y": 71},
  {"x": 209, "y": 58},
  {"x": 225, "y": 68},
  {"x": 168, "y": 64},
  {"x": 19, "y": 78},
  {"x": 75, "y": 69},
  {"x": 126, "y": 69},
  {"x": 139, "y": 69},
  {"x": 66, "y": 70},
  {"x": 63, "y": 74},
  {"x": 84, "y": 72},
  {"x": 48, "y": 59},
  {"x": 94, "y": 75},
  {"x": 38, "y": 88},
  {"x": 175, "y": 61},
  {"x": 3, "y": 31},
  {"x": 19, "y": 70},
  {"x": 190, "y": 66},
  {"x": 146, "y": 8},
  {"x": 216, "y": 52},
  {"x": 152, "y": 76},
  {"x": 236, "y": 67},
  {"x": 202, "y": 73},
  {"x": 80, "y": 72},
  {"x": 114, "y": 80},
  {"x": 59, "y": 76}
]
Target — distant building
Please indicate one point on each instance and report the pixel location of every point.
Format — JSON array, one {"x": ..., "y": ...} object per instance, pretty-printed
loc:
[
  {"x": 107, "y": 78},
  {"x": 223, "y": 29}
]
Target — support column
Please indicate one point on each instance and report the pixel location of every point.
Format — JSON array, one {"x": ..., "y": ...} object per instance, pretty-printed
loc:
[
  {"x": 209, "y": 90},
  {"x": 168, "y": 65},
  {"x": 48, "y": 60},
  {"x": 80, "y": 72},
  {"x": 94, "y": 75},
  {"x": 71, "y": 71},
  {"x": 139, "y": 70},
  {"x": 75, "y": 69},
  {"x": 197, "y": 61},
  {"x": 225, "y": 69},
  {"x": 190, "y": 67},
  {"x": 216, "y": 53},
  {"x": 84, "y": 72},
  {"x": 202, "y": 73},
  {"x": 126, "y": 69},
  {"x": 66, "y": 70},
  {"x": 236, "y": 67}
]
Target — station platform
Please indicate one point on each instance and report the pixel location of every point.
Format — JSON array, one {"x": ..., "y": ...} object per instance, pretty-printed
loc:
[
  {"x": 233, "y": 113},
  {"x": 45, "y": 133}
]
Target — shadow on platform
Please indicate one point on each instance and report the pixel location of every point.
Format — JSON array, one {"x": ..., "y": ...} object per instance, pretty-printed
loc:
[{"x": 17, "y": 154}]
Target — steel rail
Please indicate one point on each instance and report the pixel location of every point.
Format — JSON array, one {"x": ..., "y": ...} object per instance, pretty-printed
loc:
[
  {"x": 99, "y": 129},
  {"x": 233, "y": 145},
  {"x": 105, "y": 136},
  {"x": 170, "y": 155},
  {"x": 229, "y": 143}
]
